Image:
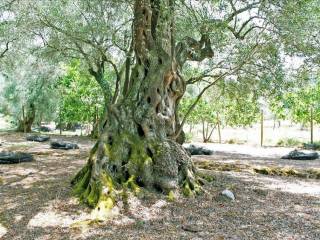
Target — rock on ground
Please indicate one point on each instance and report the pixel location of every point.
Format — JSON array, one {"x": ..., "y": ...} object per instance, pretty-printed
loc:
[{"x": 228, "y": 194}]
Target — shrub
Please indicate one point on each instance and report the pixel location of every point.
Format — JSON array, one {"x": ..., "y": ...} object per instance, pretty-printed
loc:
[
  {"x": 235, "y": 141},
  {"x": 288, "y": 142},
  {"x": 189, "y": 137}
]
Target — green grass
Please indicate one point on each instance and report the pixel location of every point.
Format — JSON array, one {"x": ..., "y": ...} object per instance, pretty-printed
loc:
[
  {"x": 188, "y": 137},
  {"x": 289, "y": 142}
]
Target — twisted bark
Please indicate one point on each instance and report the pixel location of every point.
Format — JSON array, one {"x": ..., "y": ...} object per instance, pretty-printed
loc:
[{"x": 137, "y": 147}]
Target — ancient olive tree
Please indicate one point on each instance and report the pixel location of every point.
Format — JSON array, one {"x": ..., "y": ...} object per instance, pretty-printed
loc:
[
  {"x": 146, "y": 44},
  {"x": 138, "y": 146}
]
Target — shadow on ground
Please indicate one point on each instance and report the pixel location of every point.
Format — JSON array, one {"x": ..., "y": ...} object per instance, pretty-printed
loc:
[{"x": 36, "y": 203}]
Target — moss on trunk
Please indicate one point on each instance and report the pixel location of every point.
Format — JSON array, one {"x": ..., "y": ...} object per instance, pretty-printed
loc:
[{"x": 138, "y": 145}]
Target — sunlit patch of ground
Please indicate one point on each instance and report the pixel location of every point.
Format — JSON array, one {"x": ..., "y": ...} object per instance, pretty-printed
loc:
[
  {"x": 3, "y": 230},
  {"x": 36, "y": 202}
]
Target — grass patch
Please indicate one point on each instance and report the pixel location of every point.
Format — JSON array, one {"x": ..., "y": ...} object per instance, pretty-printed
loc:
[
  {"x": 203, "y": 174},
  {"x": 289, "y": 142},
  {"x": 188, "y": 137},
  {"x": 235, "y": 141}
]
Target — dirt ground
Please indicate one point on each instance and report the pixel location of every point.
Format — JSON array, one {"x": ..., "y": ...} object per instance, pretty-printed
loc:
[{"x": 36, "y": 200}]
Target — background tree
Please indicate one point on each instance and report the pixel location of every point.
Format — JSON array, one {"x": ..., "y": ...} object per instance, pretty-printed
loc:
[
  {"x": 301, "y": 105},
  {"x": 221, "y": 107},
  {"x": 7, "y": 27},
  {"x": 28, "y": 85},
  {"x": 81, "y": 100}
]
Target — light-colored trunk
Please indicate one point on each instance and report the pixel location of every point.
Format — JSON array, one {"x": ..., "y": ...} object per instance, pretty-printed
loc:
[
  {"x": 311, "y": 125},
  {"x": 28, "y": 117},
  {"x": 219, "y": 128},
  {"x": 261, "y": 128}
]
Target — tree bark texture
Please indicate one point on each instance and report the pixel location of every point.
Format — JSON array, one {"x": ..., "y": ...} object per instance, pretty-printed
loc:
[
  {"x": 138, "y": 147},
  {"x": 28, "y": 118}
]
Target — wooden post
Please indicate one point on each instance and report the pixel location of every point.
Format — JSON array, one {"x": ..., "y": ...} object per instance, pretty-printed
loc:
[
  {"x": 24, "y": 120},
  {"x": 39, "y": 123},
  {"x": 219, "y": 129},
  {"x": 311, "y": 125},
  {"x": 261, "y": 134},
  {"x": 60, "y": 121}
]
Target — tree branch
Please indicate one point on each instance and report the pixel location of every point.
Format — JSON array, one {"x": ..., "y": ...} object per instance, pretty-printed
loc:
[
  {"x": 191, "y": 49},
  {"x": 241, "y": 10},
  {"x": 118, "y": 79},
  {"x": 5, "y": 50},
  {"x": 8, "y": 4},
  {"x": 207, "y": 87}
]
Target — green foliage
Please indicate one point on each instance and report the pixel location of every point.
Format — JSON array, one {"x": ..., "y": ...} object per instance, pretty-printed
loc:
[
  {"x": 81, "y": 96},
  {"x": 189, "y": 137},
  {"x": 300, "y": 104},
  {"x": 29, "y": 81},
  {"x": 233, "y": 108}
]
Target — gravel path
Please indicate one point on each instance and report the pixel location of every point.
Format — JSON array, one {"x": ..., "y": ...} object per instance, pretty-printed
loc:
[{"x": 36, "y": 203}]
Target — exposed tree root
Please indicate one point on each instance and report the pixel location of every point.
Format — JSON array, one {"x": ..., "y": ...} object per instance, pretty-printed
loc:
[{"x": 127, "y": 164}]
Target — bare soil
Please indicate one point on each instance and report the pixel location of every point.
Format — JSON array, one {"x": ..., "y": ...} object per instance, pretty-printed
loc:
[{"x": 36, "y": 201}]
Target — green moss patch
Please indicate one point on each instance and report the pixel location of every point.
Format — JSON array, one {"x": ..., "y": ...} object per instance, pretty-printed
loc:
[
  {"x": 277, "y": 171},
  {"x": 210, "y": 165}
]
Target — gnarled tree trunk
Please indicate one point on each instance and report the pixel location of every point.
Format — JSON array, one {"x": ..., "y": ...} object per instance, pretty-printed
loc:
[
  {"x": 138, "y": 146},
  {"x": 29, "y": 115}
]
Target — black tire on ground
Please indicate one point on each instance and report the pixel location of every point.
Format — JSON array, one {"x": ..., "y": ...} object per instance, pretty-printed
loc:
[
  {"x": 15, "y": 157},
  {"x": 195, "y": 150},
  {"x": 45, "y": 129},
  {"x": 37, "y": 138},
  {"x": 297, "y": 155},
  {"x": 63, "y": 145}
]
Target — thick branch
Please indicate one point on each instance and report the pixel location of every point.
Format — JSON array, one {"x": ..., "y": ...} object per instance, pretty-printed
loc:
[
  {"x": 118, "y": 79},
  {"x": 99, "y": 77},
  {"x": 126, "y": 84},
  {"x": 193, "y": 50}
]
